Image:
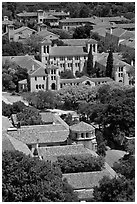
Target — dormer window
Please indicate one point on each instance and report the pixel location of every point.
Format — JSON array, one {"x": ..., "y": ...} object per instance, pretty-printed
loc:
[{"x": 35, "y": 78}]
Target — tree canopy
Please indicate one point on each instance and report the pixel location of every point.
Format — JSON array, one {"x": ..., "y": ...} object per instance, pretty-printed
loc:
[{"x": 25, "y": 179}]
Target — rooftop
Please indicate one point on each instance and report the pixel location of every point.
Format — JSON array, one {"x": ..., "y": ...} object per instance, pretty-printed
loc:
[
  {"x": 46, "y": 33},
  {"x": 6, "y": 123},
  {"x": 67, "y": 51},
  {"x": 56, "y": 151},
  {"x": 79, "y": 42},
  {"x": 113, "y": 156},
  {"x": 11, "y": 144},
  {"x": 27, "y": 14},
  {"x": 82, "y": 127},
  {"x": 23, "y": 28}
]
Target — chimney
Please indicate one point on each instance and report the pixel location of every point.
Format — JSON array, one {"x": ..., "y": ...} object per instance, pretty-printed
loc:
[
  {"x": 10, "y": 32},
  {"x": 33, "y": 67},
  {"x": 5, "y": 18},
  {"x": 111, "y": 31}
]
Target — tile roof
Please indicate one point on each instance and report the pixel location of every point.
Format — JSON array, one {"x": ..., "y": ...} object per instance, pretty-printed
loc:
[
  {"x": 113, "y": 156},
  {"x": 126, "y": 25},
  {"x": 127, "y": 35},
  {"x": 67, "y": 51},
  {"x": 27, "y": 14},
  {"x": 86, "y": 180},
  {"x": 100, "y": 31},
  {"x": 84, "y": 78},
  {"x": 81, "y": 127},
  {"x": 78, "y": 42},
  {"x": 129, "y": 43},
  {"x": 24, "y": 81},
  {"x": 11, "y": 144},
  {"x": 23, "y": 28},
  {"x": 94, "y": 20},
  {"x": 6, "y": 123},
  {"x": 51, "y": 17},
  {"x": 114, "y": 19},
  {"x": 46, "y": 33},
  {"x": 118, "y": 32},
  {"x": 47, "y": 117},
  {"x": 44, "y": 133},
  {"x": 40, "y": 72},
  {"x": 56, "y": 151},
  {"x": 7, "y": 22}
]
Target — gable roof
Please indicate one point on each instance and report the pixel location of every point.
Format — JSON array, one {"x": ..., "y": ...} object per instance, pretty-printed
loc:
[
  {"x": 50, "y": 133},
  {"x": 118, "y": 32},
  {"x": 40, "y": 72},
  {"x": 67, "y": 51},
  {"x": 46, "y": 33},
  {"x": 79, "y": 42},
  {"x": 11, "y": 144},
  {"x": 100, "y": 31},
  {"x": 6, "y": 123},
  {"x": 113, "y": 156},
  {"x": 81, "y": 127},
  {"x": 47, "y": 117},
  {"x": 126, "y": 25},
  {"x": 27, "y": 14},
  {"x": 86, "y": 180},
  {"x": 56, "y": 151},
  {"x": 22, "y": 29}
]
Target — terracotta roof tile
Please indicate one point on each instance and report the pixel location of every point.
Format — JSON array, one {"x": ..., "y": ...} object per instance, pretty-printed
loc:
[
  {"x": 67, "y": 51},
  {"x": 82, "y": 126},
  {"x": 79, "y": 42},
  {"x": 11, "y": 144}
]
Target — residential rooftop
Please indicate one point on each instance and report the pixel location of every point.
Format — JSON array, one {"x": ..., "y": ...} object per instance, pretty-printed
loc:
[{"x": 79, "y": 42}]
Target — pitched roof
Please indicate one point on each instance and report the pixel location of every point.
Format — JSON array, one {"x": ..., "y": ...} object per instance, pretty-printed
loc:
[
  {"x": 113, "y": 156},
  {"x": 126, "y": 25},
  {"x": 27, "y": 14},
  {"x": 51, "y": 17},
  {"x": 6, "y": 123},
  {"x": 44, "y": 133},
  {"x": 11, "y": 144},
  {"x": 86, "y": 180},
  {"x": 114, "y": 18},
  {"x": 46, "y": 33},
  {"x": 47, "y": 117},
  {"x": 22, "y": 29},
  {"x": 94, "y": 20},
  {"x": 127, "y": 35},
  {"x": 81, "y": 127},
  {"x": 118, "y": 32},
  {"x": 40, "y": 72},
  {"x": 67, "y": 51},
  {"x": 84, "y": 78},
  {"x": 79, "y": 42},
  {"x": 56, "y": 151},
  {"x": 100, "y": 31},
  {"x": 129, "y": 43},
  {"x": 7, "y": 22}
]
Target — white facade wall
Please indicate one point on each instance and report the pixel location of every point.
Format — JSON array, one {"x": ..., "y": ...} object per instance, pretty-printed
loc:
[{"x": 38, "y": 81}]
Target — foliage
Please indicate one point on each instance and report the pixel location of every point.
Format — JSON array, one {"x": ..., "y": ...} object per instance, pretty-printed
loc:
[
  {"x": 79, "y": 74},
  {"x": 67, "y": 74},
  {"x": 79, "y": 163},
  {"x": 90, "y": 69},
  {"x": 6, "y": 109},
  {"x": 68, "y": 119},
  {"x": 33, "y": 42},
  {"x": 109, "y": 66},
  {"x": 25, "y": 179},
  {"x": 115, "y": 190},
  {"x": 126, "y": 166},
  {"x": 14, "y": 49},
  {"x": 72, "y": 95},
  {"x": 42, "y": 99},
  {"x": 29, "y": 116},
  {"x": 82, "y": 32},
  {"x": 11, "y": 74},
  {"x": 62, "y": 33}
]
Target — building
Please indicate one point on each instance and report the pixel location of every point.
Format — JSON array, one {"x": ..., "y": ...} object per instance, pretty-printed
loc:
[
  {"x": 20, "y": 34},
  {"x": 122, "y": 71},
  {"x": 5, "y": 23},
  {"x": 67, "y": 57}
]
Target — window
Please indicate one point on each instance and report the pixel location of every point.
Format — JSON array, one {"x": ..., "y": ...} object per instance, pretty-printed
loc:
[
  {"x": 82, "y": 135},
  {"x": 54, "y": 77},
  {"x": 44, "y": 49},
  {"x": 43, "y": 77},
  {"x": 43, "y": 86},
  {"x": 69, "y": 58},
  {"x": 77, "y": 58},
  {"x": 39, "y": 86},
  {"x": 51, "y": 77},
  {"x": 87, "y": 135},
  {"x": 119, "y": 74},
  {"x": 84, "y": 57},
  {"x": 47, "y": 49},
  {"x": 54, "y": 71},
  {"x": 121, "y": 69},
  {"x": 54, "y": 58},
  {"x": 60, "y": 85},
  {"x": 35, "y": 78}
]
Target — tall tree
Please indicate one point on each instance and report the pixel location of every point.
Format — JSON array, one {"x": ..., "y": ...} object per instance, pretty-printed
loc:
[
  {"x": 109, "y": 67},
  {"x": 90, "y": 62}
]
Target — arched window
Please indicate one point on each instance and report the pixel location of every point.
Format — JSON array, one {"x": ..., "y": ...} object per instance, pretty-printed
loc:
[{"x": 53, "y": 86}]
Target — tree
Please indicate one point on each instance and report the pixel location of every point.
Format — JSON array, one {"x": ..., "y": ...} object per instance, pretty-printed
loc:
[
  {"x": 29, "y": 116},
  {"x": 67, "y": 74},
  {"x": 114, "y": 190},
  {"x": 90, "y": 69},
  {"x": 82, "y": 32},
  {"x": 6, "y": 109},
  {"x": 109, "y": 66},
  {"x": 25, "y": 179}
]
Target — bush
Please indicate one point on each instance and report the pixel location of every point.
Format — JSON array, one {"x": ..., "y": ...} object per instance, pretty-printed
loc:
[{"x": 75, "y": 164}]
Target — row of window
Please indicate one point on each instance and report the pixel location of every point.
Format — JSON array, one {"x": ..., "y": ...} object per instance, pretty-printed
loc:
[
  {"x": 68, "y": 58},
  {"x": 43, "y": 78},
  {"x": 63, "y": 84},
  {"x": 40, "y": 86}
]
